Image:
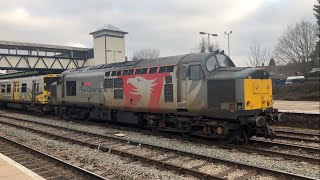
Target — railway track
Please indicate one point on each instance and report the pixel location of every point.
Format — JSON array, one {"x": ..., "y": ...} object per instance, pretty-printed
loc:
[
  {"x": 307, "y": 137},
  {"x": 43, "y": 164},
  {"x": 170, "y": 159}
]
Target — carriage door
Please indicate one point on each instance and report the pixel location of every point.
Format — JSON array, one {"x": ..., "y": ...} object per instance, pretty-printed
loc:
[
  {"x": 16, "y": 90},
  {"x": 183, "y": 84},
  {"x": 34, "y": 91}
]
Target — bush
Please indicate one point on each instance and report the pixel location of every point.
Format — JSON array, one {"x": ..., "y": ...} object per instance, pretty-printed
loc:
[{"x": 307, "y": 91}]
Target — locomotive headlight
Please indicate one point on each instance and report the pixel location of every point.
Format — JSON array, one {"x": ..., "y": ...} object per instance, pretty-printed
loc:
[{"x": 239, "y": 105}]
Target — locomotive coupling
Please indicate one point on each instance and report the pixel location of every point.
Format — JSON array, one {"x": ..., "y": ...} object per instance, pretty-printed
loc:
[
  {"x": 281, "y": 117},
  {"x": 261, "y": 121}
]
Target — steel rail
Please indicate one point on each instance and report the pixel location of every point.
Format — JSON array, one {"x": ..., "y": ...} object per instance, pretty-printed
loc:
[
  {"x": 79, "y": 172},
  {"x": 227, "y": 146},
  {"x": 156, "y": 162}
]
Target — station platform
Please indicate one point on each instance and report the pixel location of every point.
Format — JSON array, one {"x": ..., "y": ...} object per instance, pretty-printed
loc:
[
  {"x": 305, "y": 107},
  {"x": 11, "y": 170}
]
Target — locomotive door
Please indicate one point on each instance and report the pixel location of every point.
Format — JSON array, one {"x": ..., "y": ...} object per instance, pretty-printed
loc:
[
  {"x": 183, "y": 87},
  {"x": 16, "y": 90},
  {"x": 35, "y": 90}
]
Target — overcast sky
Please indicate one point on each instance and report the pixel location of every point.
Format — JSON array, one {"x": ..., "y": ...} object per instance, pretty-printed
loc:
[{"x": 170, "y": 26}]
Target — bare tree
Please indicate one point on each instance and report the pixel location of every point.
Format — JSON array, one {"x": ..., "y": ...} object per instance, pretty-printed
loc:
[
  {"x": 259, "y": 55},
  {"x": 146, "y": 54},
  {"x": 203, "y": 45},
  {"x": 297, "y": 44},
  {"x": 213, "y": 47}
]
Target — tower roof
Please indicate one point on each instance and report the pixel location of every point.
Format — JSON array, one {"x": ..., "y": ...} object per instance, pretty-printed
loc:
[{"x": 108, "y": 27}]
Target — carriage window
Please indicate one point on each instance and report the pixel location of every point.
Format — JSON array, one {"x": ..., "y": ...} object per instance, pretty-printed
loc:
[
  {"x": 3, "y": 88},
  {"x": 8, "y": 88},
  {"x": 195, "y": 72},
  {"x": 38, "y": 87},
  {"x": 71, "y": 88},
  {"x": 24, "y": 87},
  {"x": 144, "y": 71},
  {"x": 138, "y": 71},
  {"x": 107, "y": 74},
  {"x": 113, "y": 73},
  {"x": 162, "y": 69},
  {"x": 118, "y": 73},
  {"x": 153, "y": 70}
]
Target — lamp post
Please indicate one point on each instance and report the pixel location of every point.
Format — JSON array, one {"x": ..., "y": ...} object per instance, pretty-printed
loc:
[
  {"x": 209, "y": 34},
  {"x": 228, "y": 33}
]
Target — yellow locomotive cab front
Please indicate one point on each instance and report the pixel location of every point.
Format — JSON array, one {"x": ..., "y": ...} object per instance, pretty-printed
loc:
[{"x": 257, "y": 94}]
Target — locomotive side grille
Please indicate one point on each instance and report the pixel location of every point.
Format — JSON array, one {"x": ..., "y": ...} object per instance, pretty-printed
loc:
[
  {"x": 228, "y": 91},
  {"x": 214, "y": 91},
  {"x": 219, "y": 92},
  {"x": 118, "y": 94},
  {"x": 168, "y": 79},
  {"x": 118, "y": 83},
  {"x": 108, "y": 83},
  {"x": 168, "y": 93}
]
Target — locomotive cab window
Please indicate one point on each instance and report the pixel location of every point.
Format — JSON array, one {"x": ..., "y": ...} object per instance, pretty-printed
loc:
[
  {"x": 211, "y": 63},
  {"x": 107, "y": 74},
  {"x": 195, "y": 72},
  {"x": 48, "y": 81}
]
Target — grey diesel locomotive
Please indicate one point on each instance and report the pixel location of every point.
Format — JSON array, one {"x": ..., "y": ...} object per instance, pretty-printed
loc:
[{"x": 201, "y": 94}]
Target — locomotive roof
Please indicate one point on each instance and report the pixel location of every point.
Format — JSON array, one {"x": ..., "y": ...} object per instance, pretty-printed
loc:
[{"x": 163, "y": 61}]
